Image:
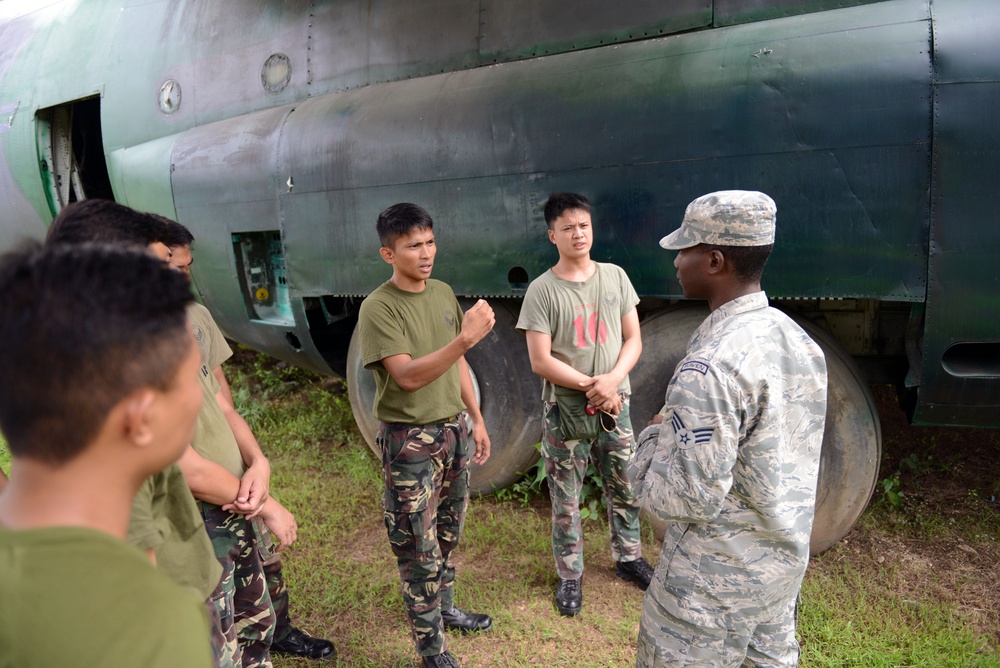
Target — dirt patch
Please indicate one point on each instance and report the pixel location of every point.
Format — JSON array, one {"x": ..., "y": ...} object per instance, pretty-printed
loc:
[{"x": 941, "y": 540}]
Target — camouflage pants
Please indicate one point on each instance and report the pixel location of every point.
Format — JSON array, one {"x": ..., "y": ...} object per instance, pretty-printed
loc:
[
  {"x": 426, "y": 475},
  {"x": 222, "y": 651},
  {"x": 242, "y": 599},
  {"x": 665, "y": 640},
  {"x": 566, "y": 467},
  {"x": 279, "y": 598}
]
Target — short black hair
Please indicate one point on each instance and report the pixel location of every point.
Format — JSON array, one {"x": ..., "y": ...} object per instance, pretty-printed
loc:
[
  {"x": 399, "y": 220},
  {"x": 81, "y": 327},
  {"x": 559, "y": 203},
  {"x": 748, "y": 261},
  {"x": 104, "y": 221},
  {"x": 174, "y": 234}
]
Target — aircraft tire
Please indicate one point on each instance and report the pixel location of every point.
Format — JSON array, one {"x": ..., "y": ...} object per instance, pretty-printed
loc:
[{"x": 852, "y": 441}]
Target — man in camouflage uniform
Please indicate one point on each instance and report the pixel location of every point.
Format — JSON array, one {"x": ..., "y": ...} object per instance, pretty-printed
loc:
[
  {"x": 414, "y": 337},
  {"x": 734, "y": 462},
  {"x": 582, "y": 329},
  {"x": 287, "y": 639}
]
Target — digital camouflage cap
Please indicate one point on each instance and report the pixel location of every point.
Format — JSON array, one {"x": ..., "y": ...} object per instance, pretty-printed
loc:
[{"x": 725, "y": 218}]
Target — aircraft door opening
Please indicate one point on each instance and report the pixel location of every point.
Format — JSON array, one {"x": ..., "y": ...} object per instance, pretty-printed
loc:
[{"x": 71, "y": 148}]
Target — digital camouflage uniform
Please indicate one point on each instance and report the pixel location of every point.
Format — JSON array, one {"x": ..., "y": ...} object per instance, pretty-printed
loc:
[
  {"x": 566, "y": 467},
  {"x": 426, "y": 474},
  {"x": 733, "y": 468}
]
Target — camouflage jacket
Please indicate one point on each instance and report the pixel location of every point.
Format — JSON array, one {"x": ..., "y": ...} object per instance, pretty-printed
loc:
[{"x": 733, "y": 467}]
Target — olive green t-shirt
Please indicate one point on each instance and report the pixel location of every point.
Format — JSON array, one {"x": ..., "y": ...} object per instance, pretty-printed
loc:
[
  {"x": 213, "y": 438},
  {"x": 165, "y": 517},
  {"x": 73, "y": 596},
  {"x": 394, "y": 322},
  {"x": 579, "y": 315}
]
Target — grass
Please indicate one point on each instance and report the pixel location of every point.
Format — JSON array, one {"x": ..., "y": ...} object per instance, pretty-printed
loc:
[
  {"x": 913, "y": 584},
  {"x": 874, "y": 600}
]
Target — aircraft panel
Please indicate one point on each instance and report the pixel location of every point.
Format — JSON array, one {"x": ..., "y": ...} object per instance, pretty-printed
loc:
[
  {"x": 731, "y": 12},
  {"x": 965, "y": 44},
  {"x": 516, "y": 29},
  {"x": 960, "y": 374}
]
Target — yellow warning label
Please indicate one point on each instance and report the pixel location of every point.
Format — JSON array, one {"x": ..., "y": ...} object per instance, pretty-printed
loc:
[{"x": 262, "y": 294}]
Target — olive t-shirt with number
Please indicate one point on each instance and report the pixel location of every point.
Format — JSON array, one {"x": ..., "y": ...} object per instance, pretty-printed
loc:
[
  {"x": 578, "y": 315},
  {"x": 393, "y": 322}
]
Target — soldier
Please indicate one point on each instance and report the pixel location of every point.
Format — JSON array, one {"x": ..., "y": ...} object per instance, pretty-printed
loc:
[
  {"x": 583, "y": 338},
  {"x": 98, "y": 391},
  {"x": 732, "y": 462},
  {"x": 165, "y": 520},
  {"x": 414, "y": 337},
  {"x": 287, "y": 639}
]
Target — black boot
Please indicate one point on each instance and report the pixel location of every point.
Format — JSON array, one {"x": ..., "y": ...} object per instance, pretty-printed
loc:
[
  {"x": 301, "y": 644},
  {"x": 638, "y": 571},
  {"x": 465, "y": 622},
  {"x": 442, "y": 660},
  {"x": 569, "y": 597}
]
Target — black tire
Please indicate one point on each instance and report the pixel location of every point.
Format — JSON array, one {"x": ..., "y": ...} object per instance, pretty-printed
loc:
[
  {"x": 509, "y": 397},
  {"x": 852, "y": 440}
]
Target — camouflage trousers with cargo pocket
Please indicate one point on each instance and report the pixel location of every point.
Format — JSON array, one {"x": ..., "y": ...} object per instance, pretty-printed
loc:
[
  {"x": 566, "y": 469},
  {"x": 242, "y": 599},
  {"x": 426, "y": 475}
]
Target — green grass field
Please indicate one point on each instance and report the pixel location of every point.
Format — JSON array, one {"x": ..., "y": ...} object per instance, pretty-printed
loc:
[
  {"x": 914, "y": 584},
  {"x": 865, "y": 603}
]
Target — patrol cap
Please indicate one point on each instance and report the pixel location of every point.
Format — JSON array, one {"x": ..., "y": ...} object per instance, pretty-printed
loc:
[{"x": 725, "y": 218}]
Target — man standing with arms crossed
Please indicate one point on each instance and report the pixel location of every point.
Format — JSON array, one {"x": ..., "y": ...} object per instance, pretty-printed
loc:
[
  {"x": 414, "y": 338},
  {"x": 583, "y": 334},
  {"x": 734, "y": 462}
]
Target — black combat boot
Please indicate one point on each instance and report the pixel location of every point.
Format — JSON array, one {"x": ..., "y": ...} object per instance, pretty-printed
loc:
[
  {"x": 638, "y": 571},
  {"x": 465, "y": 622},
  {"x": 569, "y": 597},
  {"x": 443, "y": 660}
]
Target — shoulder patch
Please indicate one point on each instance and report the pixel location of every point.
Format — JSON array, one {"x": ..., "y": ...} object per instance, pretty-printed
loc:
[
  {"x": 199, "y": 334},
  {"x": 694, "y": 365},
  {"x": 688, "y": 438}
]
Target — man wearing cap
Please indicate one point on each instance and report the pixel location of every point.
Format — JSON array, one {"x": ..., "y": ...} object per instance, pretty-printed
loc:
[{"x": 733, "y": 461}]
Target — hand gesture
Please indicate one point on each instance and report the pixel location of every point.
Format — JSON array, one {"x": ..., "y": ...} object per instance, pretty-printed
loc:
[{"x": 478, "y": 321}]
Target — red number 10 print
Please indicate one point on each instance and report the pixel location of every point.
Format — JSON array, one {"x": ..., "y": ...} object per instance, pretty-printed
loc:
[{"x": 584, "y": 338}]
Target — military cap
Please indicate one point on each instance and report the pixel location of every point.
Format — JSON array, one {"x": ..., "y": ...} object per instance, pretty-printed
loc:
[{"x": 725, "y": 218}]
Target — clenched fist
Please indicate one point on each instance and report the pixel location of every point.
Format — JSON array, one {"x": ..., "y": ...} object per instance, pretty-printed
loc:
[{"x": 478, "y": 321}]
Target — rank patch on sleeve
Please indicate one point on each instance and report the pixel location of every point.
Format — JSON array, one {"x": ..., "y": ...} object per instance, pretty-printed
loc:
[
  {"x": 694, "y": 365},
  {"x": 688, "y": 438}
]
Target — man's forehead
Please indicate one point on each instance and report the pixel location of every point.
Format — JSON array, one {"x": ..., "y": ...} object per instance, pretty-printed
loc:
[
  {"x": 181, "y": 254},
  {"x": 570, "y": 216},
  {"x": 417, "y": 236}
]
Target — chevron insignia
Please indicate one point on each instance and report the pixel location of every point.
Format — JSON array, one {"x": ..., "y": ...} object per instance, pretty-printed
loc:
[{"x": 688, "y": 438}]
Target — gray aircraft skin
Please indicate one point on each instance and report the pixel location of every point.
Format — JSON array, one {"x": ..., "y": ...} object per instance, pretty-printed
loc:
[{"x": 276, "y": 132}]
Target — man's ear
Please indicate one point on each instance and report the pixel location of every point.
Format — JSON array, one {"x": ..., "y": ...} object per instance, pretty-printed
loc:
[
  {"x": 137, "y": 417},
  {"x": 552, "y": 235},
  {"x": 716, "y": 261},
  {"x": 387, "y": 254}
]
